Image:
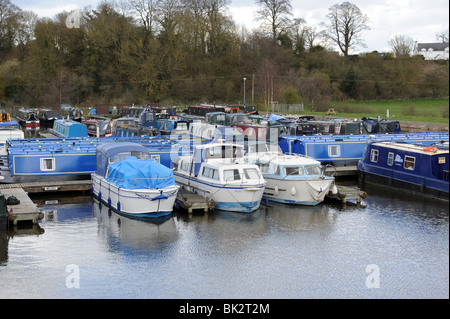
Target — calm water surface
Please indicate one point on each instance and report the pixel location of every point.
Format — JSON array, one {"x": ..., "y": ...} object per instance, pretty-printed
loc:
[{"x": 397, "y": 243}]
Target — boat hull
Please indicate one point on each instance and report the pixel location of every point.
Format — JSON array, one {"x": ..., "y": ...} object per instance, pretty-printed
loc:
[
  {"x": 308, "y": 192},
  {"x": 138, "y": 202},
  {"x": 230, "y": 198},
  {"x": 425, "y": 186}
]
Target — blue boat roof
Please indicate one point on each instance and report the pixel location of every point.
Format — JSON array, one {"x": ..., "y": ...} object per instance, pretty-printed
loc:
[{"x": 9, "y": 123}]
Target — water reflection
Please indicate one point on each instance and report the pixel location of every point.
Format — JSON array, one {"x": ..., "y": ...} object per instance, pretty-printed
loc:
[
  {"x": 138, "y": 234},
  {"x": 301, "y": 218}
]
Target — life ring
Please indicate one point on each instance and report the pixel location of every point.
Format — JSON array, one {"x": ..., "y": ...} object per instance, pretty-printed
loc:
[
  {"x": 235, "y": 110},
  {"x": 430, "y": 149}
]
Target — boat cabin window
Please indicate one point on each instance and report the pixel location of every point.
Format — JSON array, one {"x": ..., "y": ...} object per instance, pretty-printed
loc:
[
  {"x": 390, "y": 161},
  {"x": 182, "y": 126},
  {"x": 47, "y": 164},
  {"x": 185, "y": 166},
  {"x": 374, "y": 156},
  {"x": 224, "y": 151},
  {"x": 210, "y": 173},
  {"x": 276, "y": 169},
  {"x": 313, "y": 170},
  {"x": 124, "y": 155},
  {"x": 293, "y": 171},
  {"x": 231, "y": 175},
  {"x": 409, "y": 162},
  {"x": 251, "y": 173},
  {"x": 334, "y": 150}
]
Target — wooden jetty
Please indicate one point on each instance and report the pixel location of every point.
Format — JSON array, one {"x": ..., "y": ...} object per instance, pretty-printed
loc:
[
  {"x": 47, "y": 187},
  {"x": 191, "y": 201},
  {"x": 345, "y": 193},
  {"x": 25, "y": 210}
]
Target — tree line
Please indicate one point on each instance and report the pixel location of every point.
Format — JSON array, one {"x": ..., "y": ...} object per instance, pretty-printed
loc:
[{"x": 191, "y": 51}]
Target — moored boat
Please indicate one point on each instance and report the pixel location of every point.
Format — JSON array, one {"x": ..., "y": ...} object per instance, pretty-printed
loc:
[
  {"x": 291, "y": 179},
  {"x": 411, "y": 167},
  {"x": 131, "y": 183},
  {"x": 217, "y": 172}
]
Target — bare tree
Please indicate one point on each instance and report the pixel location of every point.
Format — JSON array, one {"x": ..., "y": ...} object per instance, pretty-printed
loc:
[
  {"x": 347, "y": 23},
  {"x": 146, "y": 10},
  {"x": 402, "y": 45},
  {"x": 276, "y": 13},
  {"x": 442, "y": 36}
]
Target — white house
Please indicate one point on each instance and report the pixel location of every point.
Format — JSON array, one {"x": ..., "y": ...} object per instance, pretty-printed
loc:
[{"x": 432, "y": 51}]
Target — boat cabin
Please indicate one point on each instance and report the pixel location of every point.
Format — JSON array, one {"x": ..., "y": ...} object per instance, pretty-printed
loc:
[
  {"x": 69, "y": 128},
  {"x": 113, "y": 152}
]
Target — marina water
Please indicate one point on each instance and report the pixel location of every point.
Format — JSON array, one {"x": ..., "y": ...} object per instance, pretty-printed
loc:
[{"x": 395, "y": 246}]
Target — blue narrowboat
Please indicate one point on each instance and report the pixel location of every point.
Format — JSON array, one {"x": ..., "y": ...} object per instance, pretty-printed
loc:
[
  {"x": 347, "y": 150},
  {"x": 408, "y": 166},
  {"x": 67, "y": 128},
  {"x": 74, "y": 158}
]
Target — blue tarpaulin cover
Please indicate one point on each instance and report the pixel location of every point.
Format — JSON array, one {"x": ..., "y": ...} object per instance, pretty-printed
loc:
[
  {"x": 274, "y": 118},
  {"x": 132, "y": 173}
]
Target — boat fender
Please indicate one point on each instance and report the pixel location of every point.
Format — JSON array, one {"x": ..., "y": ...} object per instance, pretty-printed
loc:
[
  {"x": 293, "y": 191},
  {"x": 118, "y": 206},
  {"x": 276, "y": 191},
  {"x": 334, "y": 190}
]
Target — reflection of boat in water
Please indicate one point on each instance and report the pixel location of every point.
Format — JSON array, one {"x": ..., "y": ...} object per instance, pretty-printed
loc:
[
  {"x": 132, "y": 232},
  {"x": 302, "y": 218}
]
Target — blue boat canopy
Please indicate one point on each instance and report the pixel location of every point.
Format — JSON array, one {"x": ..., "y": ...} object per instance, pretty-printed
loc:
[
  {"x": 107, "y": 151},
  {"x": 132, "y": 173}
]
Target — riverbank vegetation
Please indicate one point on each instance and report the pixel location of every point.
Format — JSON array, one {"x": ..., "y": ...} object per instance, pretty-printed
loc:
[{"x": 186, "y": 52}]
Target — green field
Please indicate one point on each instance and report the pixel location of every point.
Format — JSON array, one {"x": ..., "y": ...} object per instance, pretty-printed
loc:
[{"x": 434, "y": 111}]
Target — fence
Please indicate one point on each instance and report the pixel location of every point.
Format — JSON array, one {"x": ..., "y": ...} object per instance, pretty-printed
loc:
[{"x": 288, "y": 108}]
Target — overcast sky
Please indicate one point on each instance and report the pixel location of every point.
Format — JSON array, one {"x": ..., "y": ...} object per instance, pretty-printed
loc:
[{"x": 419, "y": 19}]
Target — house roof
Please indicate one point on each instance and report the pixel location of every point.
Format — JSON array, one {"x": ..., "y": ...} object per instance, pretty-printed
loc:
[{"x": 434, "y": 46}]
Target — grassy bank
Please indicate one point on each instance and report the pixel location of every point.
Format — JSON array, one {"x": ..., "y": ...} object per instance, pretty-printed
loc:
[{"x": 434, "y": 111}]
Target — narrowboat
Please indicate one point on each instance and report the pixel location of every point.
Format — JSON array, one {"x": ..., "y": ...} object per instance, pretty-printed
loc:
[
  {"x": 217, "y": 172},
  {"x": 47, "y": 117},
  {"x": 74, "y": 158},
  {"x": 176, "y": 126},
  {"x": 130, "y": 182},
  {"x": 28, "y": 119},
  {"x": 67, "y": 111},
  {"x": 291, "y": 179},
  {"x": 98, "y": 128},
  {"x": 67, "y": 128},
  {"x": 120, "y": 126},
  {"x": 347, "y": 150},
  {"x": 412, "y": 167}
]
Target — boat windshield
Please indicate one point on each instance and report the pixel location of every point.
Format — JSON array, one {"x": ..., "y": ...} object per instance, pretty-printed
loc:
[
  {"x": 313, "y": 170},
  {"x": 124, "y": 155},
  {"x": 293, "y": 171},
  {"x": 224, "y": 151},
  {"x": 231, "y": 175},
  {"x": 251, "y": 173}
]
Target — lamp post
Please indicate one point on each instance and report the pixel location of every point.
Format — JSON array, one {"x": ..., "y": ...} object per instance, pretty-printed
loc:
[{"x": 244, "y": 89}]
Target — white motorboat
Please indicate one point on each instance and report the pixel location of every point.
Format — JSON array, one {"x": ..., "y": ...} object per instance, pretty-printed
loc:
[
  {"x": 291, "y": 179},
  {"x": 216, "y": 171},
  {"x": 130, "y": 182}
]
